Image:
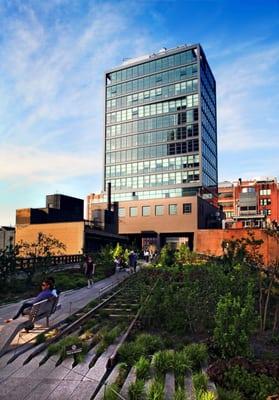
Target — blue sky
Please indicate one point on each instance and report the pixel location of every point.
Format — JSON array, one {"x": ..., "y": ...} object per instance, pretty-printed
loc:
[{"x": 53, "y": 56}]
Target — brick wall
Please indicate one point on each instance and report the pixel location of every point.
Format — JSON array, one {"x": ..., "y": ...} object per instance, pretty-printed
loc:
[
  {"x": 209, "y": 241},
  {"x": 69, "y": 233}
]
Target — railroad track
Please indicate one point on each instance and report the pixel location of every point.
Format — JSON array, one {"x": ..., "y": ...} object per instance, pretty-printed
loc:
[{"x": 93, "y": 336}]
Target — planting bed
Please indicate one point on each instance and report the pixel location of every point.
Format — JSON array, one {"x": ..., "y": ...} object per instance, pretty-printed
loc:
[
  {"x": 136, "y": 344},
  {"x": 92, "y": 336}
]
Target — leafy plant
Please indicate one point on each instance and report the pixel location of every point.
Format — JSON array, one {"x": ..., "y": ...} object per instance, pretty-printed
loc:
[
  {"x": 155, "y": 390},
  {"x": 180, "y": 394},
  {"x": 136, "y": 390},
  {"x": 163, "y": 361},
  {"x": 235, "y": 322},
  {"x": 111, "y": 392},
  {"x": 105, "y": 261},
  {"x": 167, "y": 257},
  {"x": 206, "y": 395},
  {"x": 251, "y": 386},
  {"x": 142, "y": 368},
  {"x": 181, "y": 363},
  {"x": 197, "y": 354},
  {"x": 200, "y": 382},
  {"x": 41, "y": 338},
  {"x": 149, "y": 343},
  {"x": 184, "y": 256},
  {"x": 110, "y": 336},
  {"x": 224, "y": 394},
  {"x": 130, "y": 353},
  {"x": 61, "y": 347},
  {"x": 122, "y": 374}
]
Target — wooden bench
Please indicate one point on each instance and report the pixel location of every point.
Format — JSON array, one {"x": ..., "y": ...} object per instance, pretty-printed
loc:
[{"x": 42, "y": 309}]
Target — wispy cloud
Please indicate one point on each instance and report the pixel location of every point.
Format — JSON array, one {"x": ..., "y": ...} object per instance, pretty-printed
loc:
[
  {"x": 247, "y": 100},
  {"x": 52, "y": 86},
  {"x": 28, "y": 165}
]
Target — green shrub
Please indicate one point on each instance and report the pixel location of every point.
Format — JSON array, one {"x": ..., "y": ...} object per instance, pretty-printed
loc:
[
  {"x": 130, "y": 353},
  {"x": 122, "y": 374},
  {"x": 101, "y": 348},
  {"x": 61, "y": 347},
  {"x": 163, "y": 361},
  {"x": 252, "y": 386},
  {"x": 197, "y": 354},
  {"x": 41, "y": 338},
  {"x": 206, "y": 395},
  {"x": 136, "y": 390},
  {"x": 167, "y": 257},
  {"x": 110, "y": 336},
  {"x": 180, "y": 394},
  {"x": 235, "y": 322},
  {"x": 229, "y": 394},
  {"x": 142, "y": 368},
  {"x": 110, "y": 392},
  {"x": 149, "y": 343},
  {"x": 200, "y": 382},
  {"x": 181, "y": 363},
  {"x": 155, "y": 391}
]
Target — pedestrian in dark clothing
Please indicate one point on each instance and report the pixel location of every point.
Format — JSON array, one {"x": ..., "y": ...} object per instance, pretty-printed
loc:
[
  {"x": 134, "y": 262},
  {"x": 89, "y": 271},
  {"x": 46, "y": 293}
]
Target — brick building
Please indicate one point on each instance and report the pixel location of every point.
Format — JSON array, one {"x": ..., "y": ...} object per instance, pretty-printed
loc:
[
  {"x": 250, "y": 203},
  {"x": 62, "y": 218}
]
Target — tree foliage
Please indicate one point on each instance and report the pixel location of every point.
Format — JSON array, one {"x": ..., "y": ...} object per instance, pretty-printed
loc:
[
  {"x": 235, "y": 322},
  {"x": 44, "y": 246}
]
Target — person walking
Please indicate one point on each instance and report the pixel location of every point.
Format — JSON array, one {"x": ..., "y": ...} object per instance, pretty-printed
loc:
[
  {"x": 89, "y": 271},
  {"x": 131, "y": 259},
  {"x": 46, "y": 293},
  {"x": 134, "y": 262}
]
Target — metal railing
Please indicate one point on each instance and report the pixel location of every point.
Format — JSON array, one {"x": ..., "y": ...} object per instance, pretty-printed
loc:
[{"x": 29, "y": 262}]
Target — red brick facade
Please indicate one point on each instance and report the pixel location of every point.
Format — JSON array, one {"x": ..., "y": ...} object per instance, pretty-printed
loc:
[
  {"x": 209, "y": 241},
  {"x": 250, "y": 203}
]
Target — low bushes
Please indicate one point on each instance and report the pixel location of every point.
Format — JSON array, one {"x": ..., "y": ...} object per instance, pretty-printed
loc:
[
  {"x": 251, "y": 386},
  {"x": 136, "y": 390},
  {"x": 155, "y": 390},
  {"x": 163, "y": 361},
  {"x": 142, "y": 367},
  {"x": 144, "y": 345},
  {"x": 61, "y": 347}
]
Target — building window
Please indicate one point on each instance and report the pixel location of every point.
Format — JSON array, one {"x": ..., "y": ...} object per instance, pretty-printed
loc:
[
  {"x": 146, "y": 211},
  {"x": 187, "y": 208},
  {"x": 159, "y": 210},
  {"x": 121, "y": 212},
  {"x": 265, "y": 202},
  {"x": 133, "y": 211},
  {"x": 248, "y": 190},
  {"x": 172, "y": 209},
  {"x": 265, "y": 192}
]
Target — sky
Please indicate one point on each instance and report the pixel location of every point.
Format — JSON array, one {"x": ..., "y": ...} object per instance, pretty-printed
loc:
[{"x": 53, "y": 54}]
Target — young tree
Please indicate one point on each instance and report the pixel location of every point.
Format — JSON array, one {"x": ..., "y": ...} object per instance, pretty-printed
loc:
[
  {"x": 41, "y": 250},
  {"x": 44, "y": 246},
  {"x": 235, "y": 322}
]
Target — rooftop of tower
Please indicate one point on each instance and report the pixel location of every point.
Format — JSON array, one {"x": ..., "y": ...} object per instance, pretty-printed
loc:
[{"x": 148, "y": 57}]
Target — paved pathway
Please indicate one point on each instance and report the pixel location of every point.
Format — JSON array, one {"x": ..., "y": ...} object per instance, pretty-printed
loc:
[
  {"x": 71, "y": 301},
  {"x": 34, "y": 382}
]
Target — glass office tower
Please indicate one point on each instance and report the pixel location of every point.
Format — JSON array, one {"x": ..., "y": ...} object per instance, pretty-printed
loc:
[{"x": 160, "y": 127}]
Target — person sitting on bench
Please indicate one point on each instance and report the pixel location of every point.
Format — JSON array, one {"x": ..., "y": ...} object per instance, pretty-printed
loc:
[
  {"x": 46, "y": 293},
  {"x": 55, "y": 292}
]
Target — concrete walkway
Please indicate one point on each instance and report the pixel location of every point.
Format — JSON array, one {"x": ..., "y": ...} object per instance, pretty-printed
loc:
[{"x": 71, "y": 301}]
